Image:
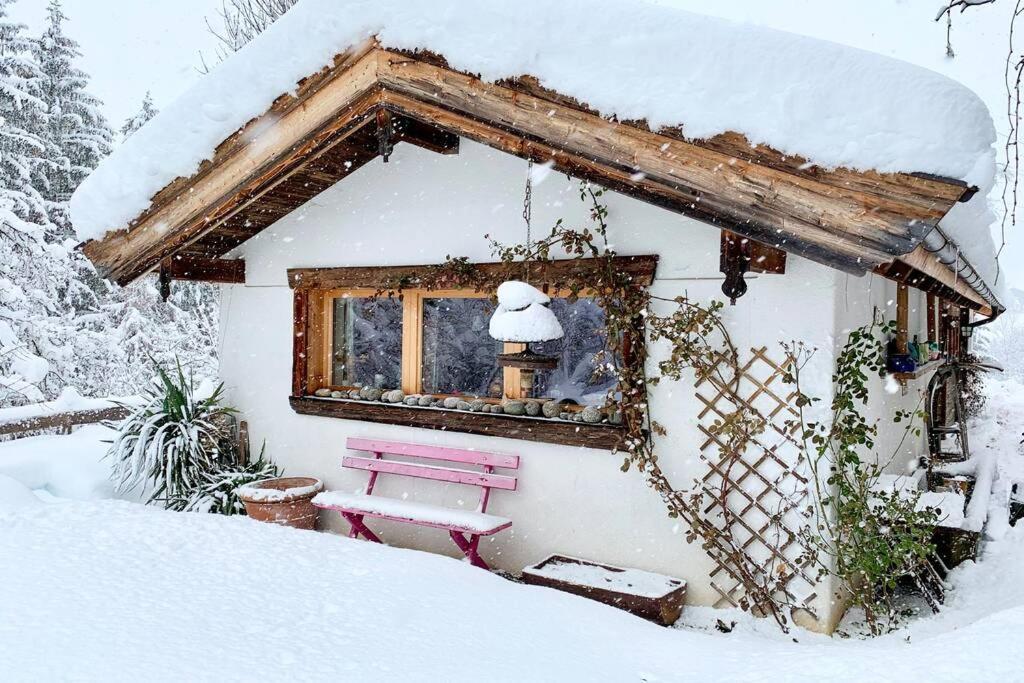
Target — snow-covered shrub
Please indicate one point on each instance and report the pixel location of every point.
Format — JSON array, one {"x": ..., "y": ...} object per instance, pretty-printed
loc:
[
  {"x": 171, "y": 443},
  {"x": 973, "y": 388},
  {"x": 1003, "y": 339}
]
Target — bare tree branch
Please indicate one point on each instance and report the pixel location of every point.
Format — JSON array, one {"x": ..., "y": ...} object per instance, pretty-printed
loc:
[
  {"x": 962, "y": 4},
  {"x": 239, "y": 21}
]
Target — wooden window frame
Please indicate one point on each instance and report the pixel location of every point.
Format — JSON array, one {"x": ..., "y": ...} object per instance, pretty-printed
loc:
[
  {"x": 314, "y": 293},
  {"x": 412, "y": 338}
]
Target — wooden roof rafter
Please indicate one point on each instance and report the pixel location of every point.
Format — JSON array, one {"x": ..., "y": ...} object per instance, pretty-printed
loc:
[{"x": 854, "y": 221}]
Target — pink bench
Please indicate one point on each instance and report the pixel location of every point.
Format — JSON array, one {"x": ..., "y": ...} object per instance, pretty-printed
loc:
[{"x": 464, "y": 526}]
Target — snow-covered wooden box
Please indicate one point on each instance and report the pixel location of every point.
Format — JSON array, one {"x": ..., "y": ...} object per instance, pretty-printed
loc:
[{"x": 645, "y": 594}]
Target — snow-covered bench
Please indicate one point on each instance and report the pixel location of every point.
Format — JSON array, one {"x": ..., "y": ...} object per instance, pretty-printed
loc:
[{"x": 464, "y": 526}]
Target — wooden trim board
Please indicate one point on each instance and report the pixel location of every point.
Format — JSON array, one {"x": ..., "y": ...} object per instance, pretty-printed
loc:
[{"x": 602, "y": 437}]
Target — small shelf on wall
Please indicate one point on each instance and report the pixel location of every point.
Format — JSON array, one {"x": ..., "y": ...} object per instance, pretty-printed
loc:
[
  {"x": 563, "y": 432},
  {"x": 922, "y": 371}
]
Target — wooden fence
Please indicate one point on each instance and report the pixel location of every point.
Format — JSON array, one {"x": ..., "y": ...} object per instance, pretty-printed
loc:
[{"x": 63, "y": 422}]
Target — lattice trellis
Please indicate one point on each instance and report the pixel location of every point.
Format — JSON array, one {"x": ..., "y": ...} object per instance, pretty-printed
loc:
[{"x": 766, "y": 485}]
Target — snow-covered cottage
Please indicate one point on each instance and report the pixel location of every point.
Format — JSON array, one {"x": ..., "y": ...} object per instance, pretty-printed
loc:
[{"x": 354, "y": 144}]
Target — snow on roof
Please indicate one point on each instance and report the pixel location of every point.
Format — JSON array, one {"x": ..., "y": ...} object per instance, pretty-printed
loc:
[{"x": 834, "y": 105}]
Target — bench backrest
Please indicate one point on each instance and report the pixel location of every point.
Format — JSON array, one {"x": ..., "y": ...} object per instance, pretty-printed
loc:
[{"x": 378, "y": 464}]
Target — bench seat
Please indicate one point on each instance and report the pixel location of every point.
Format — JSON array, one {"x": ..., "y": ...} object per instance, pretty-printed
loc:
[
  {"x": 465, "y": 527},
  {"x": 423, "y": 514}
]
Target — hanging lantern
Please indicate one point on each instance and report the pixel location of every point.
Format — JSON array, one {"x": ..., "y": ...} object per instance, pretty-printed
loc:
[{"x": 523, "y": 317}]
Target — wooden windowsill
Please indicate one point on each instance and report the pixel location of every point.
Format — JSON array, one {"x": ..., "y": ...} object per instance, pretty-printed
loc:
[
  {"x": 600, "y": 436},
  {"x": 921, "y": 371}
]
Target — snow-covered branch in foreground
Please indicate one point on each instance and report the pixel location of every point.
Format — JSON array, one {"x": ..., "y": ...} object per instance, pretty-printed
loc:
[{"x": 962, "y": 4}]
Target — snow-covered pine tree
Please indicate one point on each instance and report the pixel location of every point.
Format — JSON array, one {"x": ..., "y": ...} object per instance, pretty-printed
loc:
[
  {"x": 77, "y": 135},
  {"x": 60, "y": 324},
  {"x": 35, "y": 323},
  {"x": 133, "y": 326},
  {"x": 145, "y": 113}
]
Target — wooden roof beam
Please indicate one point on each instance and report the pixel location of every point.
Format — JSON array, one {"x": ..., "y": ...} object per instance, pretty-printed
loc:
[
  {"x": 920, "y": 270},
  {"x": 425, "y": 136}
]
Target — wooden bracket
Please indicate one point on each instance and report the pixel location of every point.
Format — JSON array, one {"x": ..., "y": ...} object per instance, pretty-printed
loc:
[
  {"x": 741, "y": 255},
  {"x": 385, "y": 134},
  {"x": 165, "y": 279},
  {"x": 734, "y": 263}
]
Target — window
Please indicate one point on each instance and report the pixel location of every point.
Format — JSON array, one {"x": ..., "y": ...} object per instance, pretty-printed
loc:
[
  {"x": 458, "y": 353},
  {"x": 366, "y": 342},
  {"x": 583, "y": 374},
  {"x": 437, "y": 342}
]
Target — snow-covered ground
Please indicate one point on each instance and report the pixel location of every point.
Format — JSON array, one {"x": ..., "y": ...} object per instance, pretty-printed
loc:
[
  {"x": 70, "y": 467},
  {"x": 112, "y": 590}
]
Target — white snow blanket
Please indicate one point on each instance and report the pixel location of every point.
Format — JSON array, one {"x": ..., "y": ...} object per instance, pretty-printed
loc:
[
  {"x": 113, "y": 591},
  {"x": 65, "y": 466},
  {"x": 835, "y": 105},
  {"x": 15, "y": 496}
]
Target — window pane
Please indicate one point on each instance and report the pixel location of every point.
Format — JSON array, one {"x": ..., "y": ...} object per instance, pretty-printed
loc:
[
  {"x": 459, "y": 356},
  {"x": 367, "y": 342},
  {"x": 577, "y": 376}
]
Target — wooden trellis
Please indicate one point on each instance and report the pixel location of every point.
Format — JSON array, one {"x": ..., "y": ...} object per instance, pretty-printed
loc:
[{"x": 765, "y": 488}]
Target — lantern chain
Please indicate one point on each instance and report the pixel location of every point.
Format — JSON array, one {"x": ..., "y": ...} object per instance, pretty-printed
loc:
[{"x": 528, "y": 212}]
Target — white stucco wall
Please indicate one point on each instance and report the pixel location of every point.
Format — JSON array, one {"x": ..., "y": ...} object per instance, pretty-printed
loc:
[
  {"x": 857, "y": 300},
  {"x": 419, "y": 208}
]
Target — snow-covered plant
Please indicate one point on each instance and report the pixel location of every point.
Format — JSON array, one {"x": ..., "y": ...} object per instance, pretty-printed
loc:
[
  {"x": 173, "y": 441},
  {"x": 869, "y": 538},
  {"x": 217, "y": 494}
]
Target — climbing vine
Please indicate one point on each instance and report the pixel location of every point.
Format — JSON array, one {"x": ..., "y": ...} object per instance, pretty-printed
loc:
[{"x": 697, "y": 342}]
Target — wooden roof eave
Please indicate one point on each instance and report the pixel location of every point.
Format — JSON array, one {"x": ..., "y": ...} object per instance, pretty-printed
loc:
[
  {"x": 854, "y": 221},
  {"x": 921, "y": 270}
]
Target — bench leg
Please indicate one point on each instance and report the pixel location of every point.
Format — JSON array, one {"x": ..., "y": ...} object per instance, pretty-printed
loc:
[
  {"x": 469, "y": 548},
  {"x": 359, "y": 528}
]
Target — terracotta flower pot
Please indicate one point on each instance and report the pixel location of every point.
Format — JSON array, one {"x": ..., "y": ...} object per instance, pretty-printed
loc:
[{"x": 287, "y": 501}]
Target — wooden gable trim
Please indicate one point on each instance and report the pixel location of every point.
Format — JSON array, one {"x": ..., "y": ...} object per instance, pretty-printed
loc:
[
  {"x": 243, "y": 169},
  {"x": 848, "y": 220}
]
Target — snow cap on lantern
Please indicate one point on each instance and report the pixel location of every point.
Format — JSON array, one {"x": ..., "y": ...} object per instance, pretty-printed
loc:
[{"x": 522, "y": 315}]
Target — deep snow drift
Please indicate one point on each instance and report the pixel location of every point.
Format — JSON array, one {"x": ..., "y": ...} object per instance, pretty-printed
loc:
[
  {"x": 117, "y": 591},
  {"x": 71, "y": 467}
]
